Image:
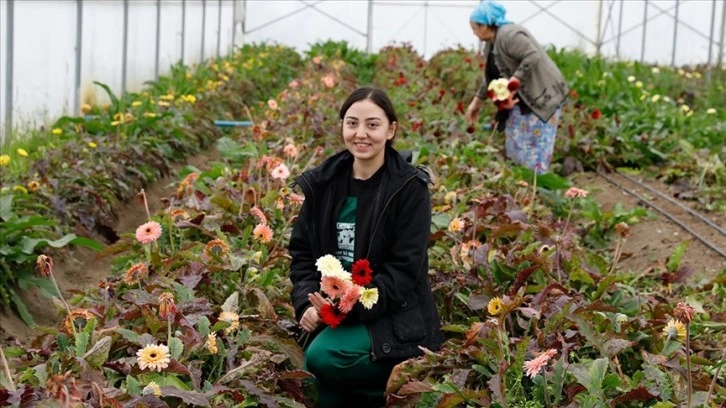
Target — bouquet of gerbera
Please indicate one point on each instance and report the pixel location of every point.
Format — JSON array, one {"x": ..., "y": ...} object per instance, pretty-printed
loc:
[
  {"x": 500, "y": 90},
  {"x": 344, "y": 289}
]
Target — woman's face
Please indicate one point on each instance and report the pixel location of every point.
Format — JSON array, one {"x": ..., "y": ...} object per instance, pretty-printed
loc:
[
  {"x": 482, "y": 31},
  {"x": 366, "y": 130}
]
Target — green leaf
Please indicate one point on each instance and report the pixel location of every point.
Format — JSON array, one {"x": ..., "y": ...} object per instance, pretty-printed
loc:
[
  {"x": 203, "y": 326},
  {"x": 28, "y": 245},
  {"x": 176, "y": 347},
  {"x": 21, "y": 308},
  {"x": 81, "y": 343},
  {"x": 98, "y": 354},
  {"x": 87, "y": 242},
  {"x": 6, "y": 206},
  {"x": 114, "y": 99},
  {"x": 674, "y": 261},
  {"x": 133, "y": 385},
  {"x": 129, "y": 335}
]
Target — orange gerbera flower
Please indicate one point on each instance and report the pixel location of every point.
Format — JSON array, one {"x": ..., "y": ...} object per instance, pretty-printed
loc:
[{"x": 136, "y": 273}]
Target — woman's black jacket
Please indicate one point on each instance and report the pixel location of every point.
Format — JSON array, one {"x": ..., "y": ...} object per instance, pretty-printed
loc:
[{"x": 395, "y": 243}]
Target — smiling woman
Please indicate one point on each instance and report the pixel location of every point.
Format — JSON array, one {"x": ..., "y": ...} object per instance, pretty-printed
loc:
[{"x": 364, "y": 205}]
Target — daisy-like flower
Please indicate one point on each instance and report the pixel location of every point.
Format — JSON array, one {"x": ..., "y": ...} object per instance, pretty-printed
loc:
[
  {"x": 498, "y": 89},
  {"x": 456, "y": 225},
  {"x": 22, "y": 152},
  {"x": 211, "y": 343},
  {"x": 57, "y": 131},
  {"x": 152, "y": 388},
  {"x": 216, "y": 247},
  {"x": 449, "y": 197},
  {"x": 574, "y": 192},
  {"x": 297, "y": 198},
  {"x": 85, "y": 108},
  {"x": 329, "y": 80},
  {"x": 4, "y": 160},
  {"x": 232, "y": 318},
  {"x": 684, "y": 312},
  {"x": 262, "y": 233},
  {"x": 258, "y": 214},
  {"x": 272, "y": 104},
  {"x": 45, "y": 265},
  {"x": 135, "y": 273},
  {"x": 361, "y": 272},
  {"x": 290, "y": 150},
  {"x": 623, "y": 230},
  {"x": 331, "y": 316},
  {"x": 369, "y": 297},
  {"x": 149, "y": 232},
  {"x": 179, "y": 215},
  {"x": 77, "y": 318},
  {"x": 167, "y": 307},
  {"x": 496, "y": 306},
  {"x": 294, "y": 84},
  {"x": 350, "y": 298},
  {"x": 154, "y": 357},
  {"x": 675, "y": 330},
  {"x": 334, "y": 286},
  {"x": 532, "y": 367},
  {"x": 281, "y": 172},
  {"x": 328, "y": 265},
  {"x": 711, "y": 111},
  {"x": 621, "y": 318}
]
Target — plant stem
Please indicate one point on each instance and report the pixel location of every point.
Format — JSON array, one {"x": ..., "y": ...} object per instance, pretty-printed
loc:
[
  {"x": 713, "y": 382},
  {"x": 544, "y": 389},
  {"x": 68, "y": 309},
  {"x": 618, "y": 253},
  {"x": 146, "y": 204},
  {"x": 168, "y": 330},
  {"x": 7, "y": 369},
  {"x": 688, "y": 363}
]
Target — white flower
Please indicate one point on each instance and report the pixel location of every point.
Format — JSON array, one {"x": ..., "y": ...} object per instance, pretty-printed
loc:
[
  {"x": 631, "y": 79},
  {"x": 369, "y": 297},
  {"x": 655, "y": 70},
  {"x": 328, "y": 265},
  {"x": 711, "y": 111},
  {"x": 499, "y": 87}
]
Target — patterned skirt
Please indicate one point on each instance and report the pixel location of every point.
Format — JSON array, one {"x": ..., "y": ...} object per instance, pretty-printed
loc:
[{"x": 529, "y": 140}]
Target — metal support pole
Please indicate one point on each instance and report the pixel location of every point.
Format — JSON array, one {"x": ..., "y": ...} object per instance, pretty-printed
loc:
[
  {"x": 204, "y": 28},
  {"x": 234, "y": 25},
  {"x": 598, "y": 38},
  {"x": 9, "y": 71},
  {"x": 79, "y": 42},
  {"x": 124, "y": 58},
  {"x": 158, "y": 39},
  {"x": 710, "y": 35},
  {"x": 723, "y": 35},
  {"x": 675, "y": 35},
  {"x": 219, "y": 26},
  {"x": 620, "y": 31},
  {"x": 645, "y": 25},
  {"x": 244, "y": 19},
  {"x": 184, "y": 27},
  {"x": 369, "y": 33},
  {"x": 425, "y": 25}
]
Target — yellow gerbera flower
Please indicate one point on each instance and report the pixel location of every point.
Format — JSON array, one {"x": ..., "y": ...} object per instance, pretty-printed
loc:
[
  {"x": 57, "y": 131},
  {"x": 4, "y": 160},
  {"x": 496, "y": 306},
  {"x": 675, "y": 330},
  {"x": 369, "y": 297},
  {"x": 456, "y": 225},
  {"x": 22, "y": 152},
  {"x": 232, "y": 318},
  {"x": 152, "y": 389},
  {"x": 154, "y": 357},
  {"x": 212, "y": 343}
]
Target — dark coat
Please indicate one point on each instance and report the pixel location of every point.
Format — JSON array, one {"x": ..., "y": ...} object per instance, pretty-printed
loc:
[{"x": 395, "y": 244}]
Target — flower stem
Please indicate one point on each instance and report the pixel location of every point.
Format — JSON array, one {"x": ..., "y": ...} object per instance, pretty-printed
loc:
[
  {"x": 688, "y": 363},
  {"x": 68, "y": 309},
  {"x": 146, "y": 204},
  {"x": 7, "y": 369},
  {"x": 544, "y": 389}
]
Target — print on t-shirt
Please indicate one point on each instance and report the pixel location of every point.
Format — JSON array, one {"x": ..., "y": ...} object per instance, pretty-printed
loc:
[{"x": 345, "y": 228}]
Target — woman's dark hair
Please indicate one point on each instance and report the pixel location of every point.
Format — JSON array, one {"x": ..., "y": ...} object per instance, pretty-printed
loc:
[{"x": 378, "y": 97}]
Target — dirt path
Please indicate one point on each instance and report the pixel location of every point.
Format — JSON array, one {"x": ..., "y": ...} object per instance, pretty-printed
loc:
[
  {"x": 655, "y": 237},
  {"x": 81, "y": 268}
]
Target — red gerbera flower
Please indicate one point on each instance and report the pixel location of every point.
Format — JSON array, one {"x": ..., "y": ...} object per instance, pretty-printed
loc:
[
  {"x": 331, "y": 315},
  {"x": 362, "y": 272},
  {"x": 596, "y": 114}
]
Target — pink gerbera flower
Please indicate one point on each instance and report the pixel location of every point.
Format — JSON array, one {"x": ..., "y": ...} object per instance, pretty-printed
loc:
[
  {"x": 329, "y": 80},
  {"x": 272, "y": 104},
  {"x": 149, "y": 232},
  {"x": 297, "y": 198},
  {"x": 574, "y": 192},
  {"x": 280, "y": 172},
  {"x": 350, "y": 298},
  {"x": 532, "y": 367},
  {"x": 290, "y": 150},
  {"x": 334, "y": 286},
  {"x": 262, "y": 233}
]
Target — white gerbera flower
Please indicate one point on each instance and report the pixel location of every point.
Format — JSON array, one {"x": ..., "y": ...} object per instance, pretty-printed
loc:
[
  {"x": 328, "y": 265},
  {"x": 369, "y": 297}
]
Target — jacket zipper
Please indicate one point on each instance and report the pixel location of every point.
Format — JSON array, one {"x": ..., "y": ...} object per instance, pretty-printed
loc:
[{"x": 380, "y": 217}]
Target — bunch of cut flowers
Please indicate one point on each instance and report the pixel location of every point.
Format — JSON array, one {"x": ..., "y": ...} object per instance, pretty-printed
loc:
[
  {"x": 344, "y": 289},
  {"x": 502, "y": 90}
]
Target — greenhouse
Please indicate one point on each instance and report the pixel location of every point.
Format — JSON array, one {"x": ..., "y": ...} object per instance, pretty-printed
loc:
[{"x": 365, "y": 203}]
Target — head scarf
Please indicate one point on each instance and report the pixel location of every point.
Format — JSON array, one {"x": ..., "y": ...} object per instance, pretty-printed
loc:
[{"x": 490, "y": 13}]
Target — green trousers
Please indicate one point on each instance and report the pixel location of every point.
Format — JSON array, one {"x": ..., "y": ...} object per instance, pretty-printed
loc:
[{"x": 345, "y": 374}]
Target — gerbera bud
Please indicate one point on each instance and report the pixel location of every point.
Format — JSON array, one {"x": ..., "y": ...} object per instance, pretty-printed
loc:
[
  {"x": 167, "y": 307},
  {"x": 623, "y": 230},
  {"x": 45, "y": 265},
  {"x": 684, "y": 312}
]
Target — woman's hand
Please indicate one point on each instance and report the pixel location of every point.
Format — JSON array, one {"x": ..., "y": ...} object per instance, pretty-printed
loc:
[
  {"x": 317, "y": 300},
  {"x": 510, "y": 102},
  {"x": 472, "y": 112},
  {"x": 310, "y": 320}
]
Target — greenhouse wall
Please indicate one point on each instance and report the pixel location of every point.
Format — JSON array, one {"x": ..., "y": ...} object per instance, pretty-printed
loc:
[{"x": 44, "y": 83}]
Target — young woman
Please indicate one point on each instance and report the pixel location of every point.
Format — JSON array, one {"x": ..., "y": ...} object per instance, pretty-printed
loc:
[
  {"x": 536, "y": 84},
  {"x": 365, "y": 202}
]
